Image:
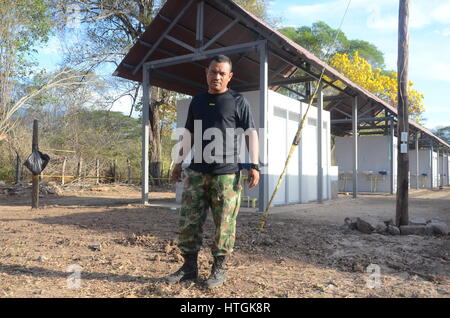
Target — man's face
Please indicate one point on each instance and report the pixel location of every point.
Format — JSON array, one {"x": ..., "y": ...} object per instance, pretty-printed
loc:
[{"x": 218, "y": 75}]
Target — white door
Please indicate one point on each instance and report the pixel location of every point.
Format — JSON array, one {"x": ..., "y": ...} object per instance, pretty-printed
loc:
[
  {"x": 292, "y": 177},
  {"x": 277, "y": 154}
]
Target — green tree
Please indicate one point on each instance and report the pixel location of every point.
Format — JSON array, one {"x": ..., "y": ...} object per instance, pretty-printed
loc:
[
  {"x": 443, "y": 132},
  {"x": 319, "y": 39},
  {"x": 257, "y": 7},
  {"x": 24, "y": 25},
  {"x": 110, "y": 28}
]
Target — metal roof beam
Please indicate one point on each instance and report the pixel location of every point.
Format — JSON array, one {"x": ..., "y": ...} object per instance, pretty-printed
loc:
[
  {"x": 180, "y": 43},
  {"x": 219, "y": 35},
  {"x": 365, "y": 120},
  {"x": 294, "y": 91},
  {"x": 369, "y": 110},
  {"x": 250, "y": 46},
  {"x": 279, "y": 82},
  {"x": 173, "y": 54},
  {"x": 199, "y": 28},
  {"x": 163, "y": 36},
  {"x": 331, "y": 98},
  {"x": 217, "y": 43},
  {"x": 169, "y": 76},
  {"x": 304, "y": 69},
  {"x": 342, "y": 112}
]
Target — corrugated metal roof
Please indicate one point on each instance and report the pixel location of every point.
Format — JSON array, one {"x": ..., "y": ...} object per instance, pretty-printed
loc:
[{"x": 285, "y": 56}]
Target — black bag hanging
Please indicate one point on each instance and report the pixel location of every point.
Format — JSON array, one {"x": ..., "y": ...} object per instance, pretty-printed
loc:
[{"x": 37, "y": 162}]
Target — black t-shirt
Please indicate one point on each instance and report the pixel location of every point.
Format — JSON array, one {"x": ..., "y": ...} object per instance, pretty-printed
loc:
[{"x": 224, "y": 116}]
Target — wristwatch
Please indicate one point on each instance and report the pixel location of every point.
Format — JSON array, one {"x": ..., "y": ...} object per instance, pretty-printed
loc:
[{"x": 253, "y": 166}]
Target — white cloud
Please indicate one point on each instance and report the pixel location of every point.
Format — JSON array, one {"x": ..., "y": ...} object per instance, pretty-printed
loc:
[
  {"x": 441, "y": 13},
  {"x": 377, "y": 20},
  {"x": 433, "y": 124},
  {"x": 440, "y": 71},
  {"x": 381, "y": 15},
  {"x": 444, "y": 32},
  {"x": 425, "y": 13}
]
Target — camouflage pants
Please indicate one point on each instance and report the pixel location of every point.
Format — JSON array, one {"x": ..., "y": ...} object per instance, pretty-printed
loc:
[{"x": 201, "y": 191}]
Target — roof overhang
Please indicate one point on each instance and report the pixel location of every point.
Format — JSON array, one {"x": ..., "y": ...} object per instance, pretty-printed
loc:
[{"x": 177, "y": 45}]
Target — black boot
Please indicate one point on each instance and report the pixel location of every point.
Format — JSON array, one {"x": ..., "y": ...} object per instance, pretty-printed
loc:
[
  {"x": 189, "y": 270},
  {"x": 218, "y": 272}
]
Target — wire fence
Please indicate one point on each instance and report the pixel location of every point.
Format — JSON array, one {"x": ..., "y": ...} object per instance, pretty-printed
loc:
[{"x": 70, "y": 166}]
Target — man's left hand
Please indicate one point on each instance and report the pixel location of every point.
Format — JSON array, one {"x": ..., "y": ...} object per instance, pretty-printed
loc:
[{"x": 253, "y": 178}]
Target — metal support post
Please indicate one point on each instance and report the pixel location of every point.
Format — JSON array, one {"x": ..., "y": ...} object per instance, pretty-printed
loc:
[
  {"x": 263, "y": 110},
  {"x": 417, "y": 161},
  {"x": 319, "y": 145},
  {"x": 146, "y": 90},
  {"x": 391, "y": 152},
  {"x": 355, "y": 145}
]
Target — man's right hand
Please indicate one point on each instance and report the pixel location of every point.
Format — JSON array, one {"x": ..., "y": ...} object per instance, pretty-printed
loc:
[{"x": 176, "y": 173}]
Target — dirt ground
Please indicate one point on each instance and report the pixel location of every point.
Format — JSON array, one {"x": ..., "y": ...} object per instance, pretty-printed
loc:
[{"x": 103, "y": 243}]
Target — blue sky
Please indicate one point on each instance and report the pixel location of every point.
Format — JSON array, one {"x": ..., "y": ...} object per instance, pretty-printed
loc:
[{"x": 376, "y": 22}]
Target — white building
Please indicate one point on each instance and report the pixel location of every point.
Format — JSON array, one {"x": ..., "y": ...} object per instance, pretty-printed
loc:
[
  {"x": 283, "y": 117},
  {"x": 376, "y": 172}
]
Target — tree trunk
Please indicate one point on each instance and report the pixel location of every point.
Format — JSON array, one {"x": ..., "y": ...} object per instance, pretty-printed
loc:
[{"x": 155, "y": 136}]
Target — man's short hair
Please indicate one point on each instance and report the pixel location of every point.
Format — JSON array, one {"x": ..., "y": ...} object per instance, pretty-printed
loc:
[{"x": 221, "y": 59}]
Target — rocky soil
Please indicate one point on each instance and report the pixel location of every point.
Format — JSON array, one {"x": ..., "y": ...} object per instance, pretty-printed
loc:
[{"x": 100, "y": 242}]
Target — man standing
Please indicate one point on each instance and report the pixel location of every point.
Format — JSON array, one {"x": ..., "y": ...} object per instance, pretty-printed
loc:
[{"x": 213, "y": 180}]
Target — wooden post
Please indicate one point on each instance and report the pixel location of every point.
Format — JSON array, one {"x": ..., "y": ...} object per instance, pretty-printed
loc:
[
  {"x": 402, "y": 217},
  {"x": 97, "y": 171},
  {"x": 115, "y": 170},
  {"x": 80, "y": 165},
  {"x": 18, "y": 166},
  {"x": 130, "y": 171},
  {"x": 63, "y": 172},
  {"x": 35, "y": 181}
]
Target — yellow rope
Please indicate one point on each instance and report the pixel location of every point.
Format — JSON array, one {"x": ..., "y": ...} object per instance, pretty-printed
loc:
[{"x": 49, "y": 149}]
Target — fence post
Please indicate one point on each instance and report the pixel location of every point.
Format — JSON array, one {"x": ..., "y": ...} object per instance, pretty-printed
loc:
[
  {"x": 63, "y": 171},
  {"x": 170, "y": 169},
  {"x": 18, "y": 166},
  {"x": 35, "y": 180},
  {"x": 115, "y": 170},
  {"x": 80, "y": 165},
  {"x": 130, "y": 171},
  {"x": 97, "y": 171}
]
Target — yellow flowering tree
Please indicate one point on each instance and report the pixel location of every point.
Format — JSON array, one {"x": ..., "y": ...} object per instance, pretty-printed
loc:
[{"x": 381, "y": 83}]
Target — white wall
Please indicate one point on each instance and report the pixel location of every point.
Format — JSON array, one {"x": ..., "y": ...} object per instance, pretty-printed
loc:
[
  {"x": 424, "y": 168},
  {"x": 373, "y": 156},
  {"x": 284, "y": 114},
  {"x": 435, "y": 170},
  {"x": 447, "y": 161},
  {"x": 300, "y": 182}
]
